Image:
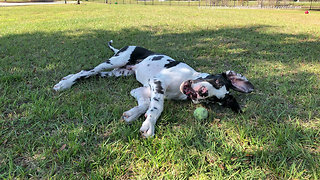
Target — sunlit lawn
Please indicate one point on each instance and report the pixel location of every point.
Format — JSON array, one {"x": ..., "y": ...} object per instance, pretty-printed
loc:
[{"x": 77, "y": 133}]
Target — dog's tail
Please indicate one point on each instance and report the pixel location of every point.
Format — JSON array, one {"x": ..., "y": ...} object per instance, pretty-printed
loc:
[{"x": 112, "y": 48}]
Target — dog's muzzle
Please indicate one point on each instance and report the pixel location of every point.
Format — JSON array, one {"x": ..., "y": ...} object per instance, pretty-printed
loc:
[{"x": 186, "y": 89}]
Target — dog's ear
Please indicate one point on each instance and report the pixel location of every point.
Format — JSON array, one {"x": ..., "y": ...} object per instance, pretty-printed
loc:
[
  {"x": 231, "y": 102},
  {"x": 239, "y": 82}
]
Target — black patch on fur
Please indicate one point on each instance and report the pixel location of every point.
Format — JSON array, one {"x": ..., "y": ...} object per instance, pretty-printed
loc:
[
  {"x": 156, "y": 58},
  {"x": 155, "y": 108},
  {"x": 218, "y": 81},
  {"x": 159, "y": 88},
  {"x": 79, "y": 79},
  {"x": 203, "y": 94},
  {"x": 137, "y": 54},
  {"x": 156, "y": 99},
  {"x": 121, "y": 50},
  {"x": 108, "y": 61},
  {"x": 171, "y": 64}
]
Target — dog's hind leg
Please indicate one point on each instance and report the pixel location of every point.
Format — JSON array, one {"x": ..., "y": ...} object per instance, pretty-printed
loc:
[
  {"x": 142, "y": 95},
  {"x": 122, "y": 58},
  {"x": 117, "y": 72}
]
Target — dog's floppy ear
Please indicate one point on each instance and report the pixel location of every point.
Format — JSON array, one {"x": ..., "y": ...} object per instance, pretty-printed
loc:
[{"x": 239, "y": 82}]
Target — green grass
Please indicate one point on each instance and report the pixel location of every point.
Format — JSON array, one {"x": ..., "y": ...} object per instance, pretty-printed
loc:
[
  {"x": 76, "y": 134},
  {"x": 208, "y": 3},
  {"x": 213, "y": 3}
]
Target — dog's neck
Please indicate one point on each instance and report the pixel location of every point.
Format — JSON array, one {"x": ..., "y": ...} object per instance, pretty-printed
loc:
[{"x": 198, "y": 75}]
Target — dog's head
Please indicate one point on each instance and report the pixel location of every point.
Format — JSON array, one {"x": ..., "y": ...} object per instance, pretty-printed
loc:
[{"x": 215, "y": 87}]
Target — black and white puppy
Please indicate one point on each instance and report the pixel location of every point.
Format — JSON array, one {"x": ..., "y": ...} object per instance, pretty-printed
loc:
[{"x": 163, "y": 78}]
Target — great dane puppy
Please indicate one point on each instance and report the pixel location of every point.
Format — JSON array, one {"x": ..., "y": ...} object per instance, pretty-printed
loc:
[{"x": 163, "y": 78}]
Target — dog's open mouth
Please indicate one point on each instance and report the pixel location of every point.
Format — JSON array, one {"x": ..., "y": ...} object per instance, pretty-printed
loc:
[{"x": 188, "y": 90}]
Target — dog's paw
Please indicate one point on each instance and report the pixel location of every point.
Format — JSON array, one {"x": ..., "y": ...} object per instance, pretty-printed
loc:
[
  {"x": 131, "y": 115},
  {"x": 147, "y": 129},
  {"x": 63, "y": 84},
  {"x": 128, "y": 117}
]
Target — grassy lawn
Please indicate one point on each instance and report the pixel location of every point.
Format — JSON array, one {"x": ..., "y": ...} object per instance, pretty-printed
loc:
[
  {"x": 219, "y": 3},
  {"x": 77, "y": 133}
]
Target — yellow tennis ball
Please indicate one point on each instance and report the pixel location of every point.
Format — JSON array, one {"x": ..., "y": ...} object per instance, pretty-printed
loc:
[{"x": 200, "y": 113}]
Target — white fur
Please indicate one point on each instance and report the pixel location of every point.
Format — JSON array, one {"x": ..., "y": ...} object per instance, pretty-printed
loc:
[{"x": 219, "y": 93}]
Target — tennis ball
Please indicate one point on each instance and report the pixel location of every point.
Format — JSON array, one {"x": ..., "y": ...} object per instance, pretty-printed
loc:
[{"x": 200, "y": 113}]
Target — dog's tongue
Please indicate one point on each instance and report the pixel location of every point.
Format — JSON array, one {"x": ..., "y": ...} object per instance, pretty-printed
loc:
[{"x": 191, "y": 94}]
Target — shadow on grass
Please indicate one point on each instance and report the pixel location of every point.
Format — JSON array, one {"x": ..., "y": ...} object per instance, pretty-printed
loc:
[{"x": 269, "y": 135}]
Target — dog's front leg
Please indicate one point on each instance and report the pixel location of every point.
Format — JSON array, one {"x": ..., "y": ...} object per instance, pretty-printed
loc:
[{"x": 158, "y": 89}]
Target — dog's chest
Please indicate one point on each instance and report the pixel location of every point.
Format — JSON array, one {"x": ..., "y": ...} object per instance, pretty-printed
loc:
[
  {"x": 148, "y": 69},
  {"x": 171, "y": 76}
]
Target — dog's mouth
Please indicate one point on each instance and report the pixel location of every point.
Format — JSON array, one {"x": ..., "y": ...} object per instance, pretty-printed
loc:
[
  {"x": 186, "y": 89},
  {"x": 194, "y": 92}
]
